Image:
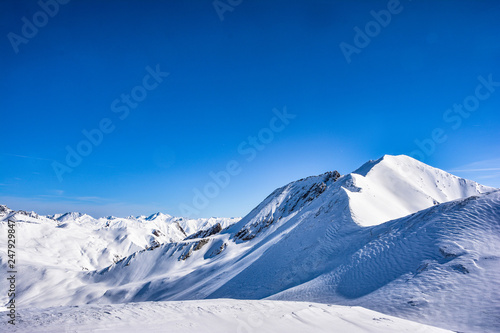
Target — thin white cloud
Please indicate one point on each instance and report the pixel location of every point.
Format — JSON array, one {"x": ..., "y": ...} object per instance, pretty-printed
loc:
[
  {"x": 92, "y": 199},
  {"x": 487, "y": 170},
  {"x": 475, "y": 170},
  {"x": 58, "y": 194},
  {"x": 479, "y": 166},
  {"x": 29, "y": 157},
  {"x": 494, "y": 176}
]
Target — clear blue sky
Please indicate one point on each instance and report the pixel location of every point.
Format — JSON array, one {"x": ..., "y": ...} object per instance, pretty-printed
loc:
[{"x": 225, "y": 78}]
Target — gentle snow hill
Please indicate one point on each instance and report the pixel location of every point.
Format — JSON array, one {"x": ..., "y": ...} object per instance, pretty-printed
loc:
[{"x": 217, "y": 316}]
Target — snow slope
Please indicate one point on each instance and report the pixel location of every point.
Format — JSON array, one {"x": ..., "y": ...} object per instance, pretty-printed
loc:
[
  {"x": 396, "y": 236},
  {"x": 217, "y": 316}
]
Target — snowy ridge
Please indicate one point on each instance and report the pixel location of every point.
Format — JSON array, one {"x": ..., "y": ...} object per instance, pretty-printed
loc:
[
  {"x": 188, "y": 225},
  {"x": 283, "y": 203}
]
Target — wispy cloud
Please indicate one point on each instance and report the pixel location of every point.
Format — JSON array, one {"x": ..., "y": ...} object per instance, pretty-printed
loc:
[
  {"x": 479, "y": 166},
  {"x": 92, "y": 199},
  {"x": 495, "y": 176},
  {"x": 58, "y": 194},
  {"x": 475, "y": 170},
  {"x": 484, "y": 169},
  {"x": 490, "y": 162},
  {"x": 29, "y": 157}
]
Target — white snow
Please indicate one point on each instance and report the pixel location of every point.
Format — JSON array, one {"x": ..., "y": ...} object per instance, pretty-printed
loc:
[
  {"x": 395, "y": 236},
  {"x": 217, "y": 316}
]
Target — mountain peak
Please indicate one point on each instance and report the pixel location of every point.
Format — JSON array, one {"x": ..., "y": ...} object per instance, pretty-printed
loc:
[
  {"x": 4, "y": 209},
  {"x": 388, "y": 160},
  {"x": 158, "y": 215},
  {"x": 395, "y": 186}
]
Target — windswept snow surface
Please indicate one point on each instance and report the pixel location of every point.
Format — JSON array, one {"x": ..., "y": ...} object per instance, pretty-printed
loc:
[
  {"x": 440, "y": 265},
  {"x": 396, "y": 236},
  {"x": 212, "y": 316}
]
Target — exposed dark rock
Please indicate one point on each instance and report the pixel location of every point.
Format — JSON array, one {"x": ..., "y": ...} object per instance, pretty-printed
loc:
[
  {"x": 201, "y": 243},
  {"x": 215, "y": 229},
  {"x": 460, "y": 268},
  {"x": 186, "y": 254},
  {"x": 30, "y": 214},
  {"x": 216, "y": 249},
  {"x": 4, "y": 209},
  {"x": 180, "y": 228},
  {"x": 248, "y": 234},
  {"x": 298, "y": 199},
  {"x": 446, "y": 253}
]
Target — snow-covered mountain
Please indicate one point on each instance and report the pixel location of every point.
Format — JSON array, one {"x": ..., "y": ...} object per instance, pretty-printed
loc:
[
  {"x": 132, "y": 233},
  {"x": 396, "y": 236},
  {"x": 54, "y": 250}
]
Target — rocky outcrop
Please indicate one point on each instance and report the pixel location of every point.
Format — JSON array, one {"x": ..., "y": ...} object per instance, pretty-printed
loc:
[
  {"x": 285, "y": 201},
  {"x": 215, "y": 229}
]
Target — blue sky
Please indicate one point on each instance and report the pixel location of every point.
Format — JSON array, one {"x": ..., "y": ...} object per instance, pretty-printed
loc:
[{"x": 225, "y": 78}]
